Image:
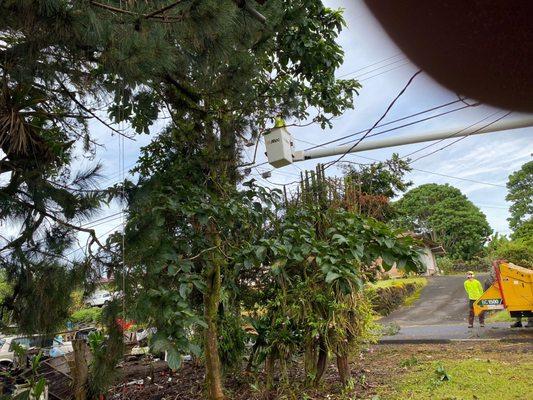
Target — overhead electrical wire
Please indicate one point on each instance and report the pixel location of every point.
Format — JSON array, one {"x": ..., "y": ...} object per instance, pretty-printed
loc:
[
  {"x": 450, "y": 136},
  {"x": 421, "y": 170},
  {"x": 389, "y": 107},
  {"x": 99, "y": 219},
  {"x": 437, "y": 173},
  {"x": 393, "y": 122},
  {"x": 384, "y": 72},
  {"x": 370, "y": 65},
  {"x": 461, "y": 138},
  {"x": 379, "y": 68},
  {"x": 418, "y": 121}
]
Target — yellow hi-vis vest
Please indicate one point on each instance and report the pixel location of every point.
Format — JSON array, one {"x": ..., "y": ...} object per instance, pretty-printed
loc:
[{"x": 473, "y": 289}]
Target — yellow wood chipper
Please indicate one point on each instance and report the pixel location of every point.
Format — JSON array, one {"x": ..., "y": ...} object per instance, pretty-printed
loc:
[{"x": 512, "y": 289}]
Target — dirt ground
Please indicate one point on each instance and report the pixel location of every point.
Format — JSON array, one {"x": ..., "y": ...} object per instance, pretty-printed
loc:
[{"x": 374, "y": 371}]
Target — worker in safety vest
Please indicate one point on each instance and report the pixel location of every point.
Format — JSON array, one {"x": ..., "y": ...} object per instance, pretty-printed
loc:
[{"x": 474, "y": 290}]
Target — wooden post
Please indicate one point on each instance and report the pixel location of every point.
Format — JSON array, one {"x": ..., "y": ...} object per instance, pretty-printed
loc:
[{"x": 79, "y": 369}]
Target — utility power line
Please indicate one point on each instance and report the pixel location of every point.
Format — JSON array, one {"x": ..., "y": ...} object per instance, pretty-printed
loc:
[
  {"x": 463, "y": 137},
  {"x": 450, "y": 136},
  {"x": 386, "y": 71},
  {"x": 418, "y": 121},
  {"x": 379, "y": 68},
  {"x": 439, "y": 174},
  {"x": 370, "y": 65},
  {"x": 378, "y": 121},
  {"x": 391, "y": 122}
]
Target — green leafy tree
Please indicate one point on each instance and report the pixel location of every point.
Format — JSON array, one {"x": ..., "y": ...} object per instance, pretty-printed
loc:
[
  {"x": 219, "y": 103},
  {"x": 313, "y": 295},
  {"x": 385, "y": 178},
  {"x": 524, "y": 231},
  {"x": 445, "y": 213},
  {"x": 377, "y": 183},
  {"x": 184, "y": 235},
  {"x": 221, "y": 75},
  {"x": 518, "y": 251},
  {"x": 520, "y": 186}
]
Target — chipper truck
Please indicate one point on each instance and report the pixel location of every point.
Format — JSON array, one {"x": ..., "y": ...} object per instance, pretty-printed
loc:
[{"x": 512, "y": 290}]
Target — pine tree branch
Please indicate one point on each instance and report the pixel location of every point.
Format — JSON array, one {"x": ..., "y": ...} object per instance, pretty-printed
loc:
[
  {"x": 162, "y": 10},
  {"x": 112, "y": 8},
  {"x": 73, "y": 97},
  {"x": 6, "y": 166},
  {"x": 192, "y": 98},
  {"x": 27, "y": 234},
  {"x": 252, "y": 11},
  {"x": 153, "y": 15},
  {"x": 44, "y": 213}
]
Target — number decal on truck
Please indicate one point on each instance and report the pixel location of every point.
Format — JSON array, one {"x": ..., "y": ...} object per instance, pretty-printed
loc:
[{"x": 490, "y": 302}]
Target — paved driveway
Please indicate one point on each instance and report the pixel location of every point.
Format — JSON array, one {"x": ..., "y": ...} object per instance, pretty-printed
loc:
[
  {"x": 442, "y": 301},
  {"x": 441, "y": 314}
]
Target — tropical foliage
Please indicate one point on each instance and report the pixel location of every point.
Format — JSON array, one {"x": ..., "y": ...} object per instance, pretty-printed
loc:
[
  {"x": 518, "y": 251},
  {"x": 445, "y": 213},
  {"x": 520, "y": 186}
]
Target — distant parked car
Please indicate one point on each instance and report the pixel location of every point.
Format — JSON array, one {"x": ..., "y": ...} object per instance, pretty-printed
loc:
[
  {"x": 53, "y": 347},
  {"x": 99, "y": 298}
]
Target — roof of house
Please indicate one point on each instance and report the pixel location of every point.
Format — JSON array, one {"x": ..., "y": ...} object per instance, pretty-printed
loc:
[{"x": 435, "y": 247}]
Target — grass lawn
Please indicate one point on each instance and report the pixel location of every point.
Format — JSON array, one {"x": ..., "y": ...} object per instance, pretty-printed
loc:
[
  {"x": 475, "y": 371},
  {"x": 401, "y": 281},
  {"x": 468, "y": 379},
  {"x": 500, "y": 316}
]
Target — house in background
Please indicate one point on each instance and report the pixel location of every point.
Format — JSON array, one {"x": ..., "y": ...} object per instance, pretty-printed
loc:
[{"x": 430, "y": 250}]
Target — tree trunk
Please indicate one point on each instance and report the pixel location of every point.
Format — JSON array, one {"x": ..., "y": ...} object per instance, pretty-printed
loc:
[
  {"x": 269, "y": 371},
  {"x": 212, "y": 360},
  {"x": 322, "y": 360},
  {"x": 79, "y": 369},
  {"x": 283, "y": 371},
  {"x": 310, "y": 361},
  {"x": 343, "y": 367}
]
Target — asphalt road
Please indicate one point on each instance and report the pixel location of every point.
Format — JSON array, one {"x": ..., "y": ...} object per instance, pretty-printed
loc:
[
  {"x": 441, "y": 313},
  {"x": 442, "y": 301}
]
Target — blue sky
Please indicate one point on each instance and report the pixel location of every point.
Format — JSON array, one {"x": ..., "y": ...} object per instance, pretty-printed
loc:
[{"x": 485, "y": 158}]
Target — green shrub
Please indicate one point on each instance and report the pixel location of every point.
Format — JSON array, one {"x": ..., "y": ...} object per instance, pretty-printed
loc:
[
  {"x": 387, "y": 299},
  {"x": 478, "y": 264},
  {"x": 87, "y": 316},
  {"x": 76, "y": 298},
  {"x": 518, "y": 252},
  {"x": 445, "y": 265}
]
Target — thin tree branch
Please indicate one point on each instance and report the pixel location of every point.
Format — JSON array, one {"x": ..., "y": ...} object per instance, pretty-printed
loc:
[
  {"x": 200, "y": 253},
  {"x": 128, "y": 12},
  {"x": 111, "y": 8},
  {"x": 162, "y": 10},
  {"x": 73, "y": 97},
  {"x": 91, "y": 232}
]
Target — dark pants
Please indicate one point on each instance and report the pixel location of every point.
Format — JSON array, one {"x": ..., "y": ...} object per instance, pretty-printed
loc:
[{"x": 471, "y": 314}]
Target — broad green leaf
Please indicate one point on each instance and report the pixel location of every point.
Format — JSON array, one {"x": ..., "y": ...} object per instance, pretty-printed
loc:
[{"x": 331, "y": 276}]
